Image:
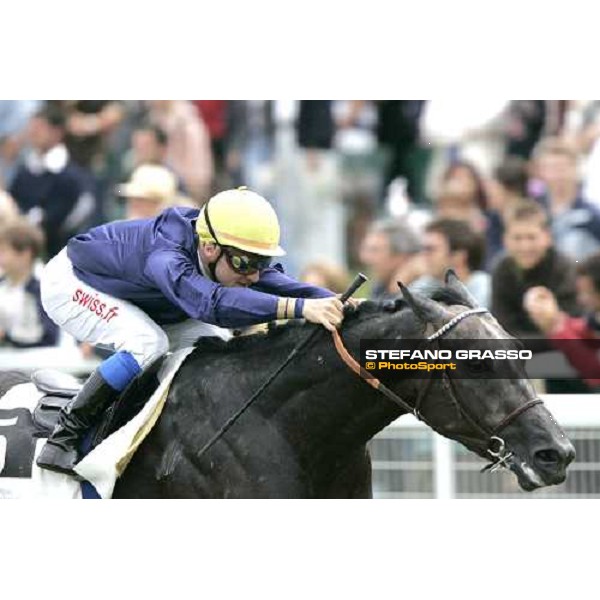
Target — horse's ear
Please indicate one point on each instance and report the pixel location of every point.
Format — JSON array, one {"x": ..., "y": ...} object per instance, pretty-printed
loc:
[
  {"x": 456, "y": 285},
  {"x": 424, "y": 308}
]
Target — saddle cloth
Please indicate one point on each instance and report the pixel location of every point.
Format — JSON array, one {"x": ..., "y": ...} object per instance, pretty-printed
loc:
[{"x": 105, "y": 463}]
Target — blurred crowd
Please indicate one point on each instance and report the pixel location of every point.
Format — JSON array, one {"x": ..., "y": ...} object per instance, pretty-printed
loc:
[{"x": 507, "y": 193}]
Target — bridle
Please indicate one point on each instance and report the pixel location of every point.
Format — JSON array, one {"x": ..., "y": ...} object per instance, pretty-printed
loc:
[
  {"x": 499, "y": 455},
  {"x": 493, "y": 445}
]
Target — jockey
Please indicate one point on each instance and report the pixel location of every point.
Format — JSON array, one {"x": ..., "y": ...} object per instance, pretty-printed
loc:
[{"x": 147, "y": 286}]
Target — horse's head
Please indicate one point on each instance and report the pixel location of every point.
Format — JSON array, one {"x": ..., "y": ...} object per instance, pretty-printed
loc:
[{"x": 500, "y": 419}]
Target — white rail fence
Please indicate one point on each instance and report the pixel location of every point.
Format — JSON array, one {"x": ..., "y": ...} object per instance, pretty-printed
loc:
[{"x": 411, "y": 461}]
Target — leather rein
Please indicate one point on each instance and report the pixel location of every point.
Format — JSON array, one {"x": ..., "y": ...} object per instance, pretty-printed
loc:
[{"x": 493, "y": 444}]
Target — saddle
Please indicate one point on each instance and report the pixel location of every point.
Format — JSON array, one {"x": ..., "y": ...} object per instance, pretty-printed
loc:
[{"x": 60, "y": 389}]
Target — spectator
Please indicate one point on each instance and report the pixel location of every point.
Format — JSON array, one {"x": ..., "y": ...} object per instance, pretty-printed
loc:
[
  {"x": 327, "y": 275},
  {"x": 584, "y": 132},
  {"x": 463, "y": 196},
  {"x": 250, "y": 144},
  {"x": 577, "y": 337},
  {"x": 390, "y": 250},
  {"x": 23, "y": 321},
  {"x": 150, "y": 190},
  {"x": 14, "y": 116},
  {"x": 467, "y": 176},
  {"x": 524, "y": 126},
  {"x": 316, "y": 125},
  {"x": 531, "y": 261},
  {"x": 9, "y": 211},
  {"x": 49, "y": 188},
  {"x": 508, "y": 185},
  {"x": 309, "y": 190},
  {"x": 362, "y": 166},
  {"x": 507, "y": 188},
  {"x": 91, "y": 127},
  {"x": 466, "y": 129},
  {"x": 214, "y": 114},
  {"x": 398, "y": 130},
  {"x": 575, "y": 222},
  {"x": 453, "y": 244},
  {"x": 88, "y": 124},
  {"x": 149, "y": 145},
  {"x": 188, "y": 147}
]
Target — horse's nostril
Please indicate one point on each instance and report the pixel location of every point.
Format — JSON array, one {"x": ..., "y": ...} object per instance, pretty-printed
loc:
[
  {"x": 570, "y": 455},
  {"x": 547, "y": 457}
]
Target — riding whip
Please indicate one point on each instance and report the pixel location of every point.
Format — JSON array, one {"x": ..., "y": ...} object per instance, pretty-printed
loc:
[{"x": 358, "y": 281}]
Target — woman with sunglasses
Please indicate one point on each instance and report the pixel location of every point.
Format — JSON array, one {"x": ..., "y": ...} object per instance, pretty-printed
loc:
[{"x": 145, "y": 287}]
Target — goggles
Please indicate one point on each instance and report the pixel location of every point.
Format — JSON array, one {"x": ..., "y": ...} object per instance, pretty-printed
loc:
[{"x": 245, "y": 264}]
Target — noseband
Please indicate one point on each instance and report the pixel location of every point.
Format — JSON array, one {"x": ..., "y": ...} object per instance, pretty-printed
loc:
[{"x": 493, "y": 445}]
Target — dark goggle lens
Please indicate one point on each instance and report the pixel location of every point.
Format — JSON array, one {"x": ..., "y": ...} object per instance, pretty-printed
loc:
[{"x": 242, "y": 263}]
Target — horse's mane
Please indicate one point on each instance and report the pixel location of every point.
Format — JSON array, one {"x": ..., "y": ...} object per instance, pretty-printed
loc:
[{"x": 364, "y": 311}]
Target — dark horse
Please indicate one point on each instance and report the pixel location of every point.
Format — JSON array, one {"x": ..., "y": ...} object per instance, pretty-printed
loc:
[{"x": 306, "y": 435}]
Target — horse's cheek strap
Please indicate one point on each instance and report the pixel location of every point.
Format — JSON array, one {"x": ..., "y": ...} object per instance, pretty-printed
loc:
[
  {"x": 353, "y": 364},
  {"x": 365, "y": 375}
]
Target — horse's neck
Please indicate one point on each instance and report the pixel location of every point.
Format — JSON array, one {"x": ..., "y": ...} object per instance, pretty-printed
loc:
[{"x": 335, "y": 408}]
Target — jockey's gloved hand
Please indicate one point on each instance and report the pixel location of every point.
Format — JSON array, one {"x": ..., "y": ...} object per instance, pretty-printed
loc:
[
  {"x": 353, "y": 302},
  {"x": 329, "y": 312}
]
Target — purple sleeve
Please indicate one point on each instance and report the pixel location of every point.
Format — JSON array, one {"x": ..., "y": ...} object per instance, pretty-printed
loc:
[
  {"x": 275, "y": 281},
  {"x": 178, "y": 279}
]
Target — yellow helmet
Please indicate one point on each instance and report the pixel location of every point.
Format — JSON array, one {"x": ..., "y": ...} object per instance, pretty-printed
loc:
[{"x": 242, "y": 219}]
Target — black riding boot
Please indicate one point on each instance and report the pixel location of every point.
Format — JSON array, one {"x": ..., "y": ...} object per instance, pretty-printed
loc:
[{"x": 61, "y": 452}]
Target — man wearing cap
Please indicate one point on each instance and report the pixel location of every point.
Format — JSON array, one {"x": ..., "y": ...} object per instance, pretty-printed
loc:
[
  {"x": 148, "y": 285},
  {"x": 150, "y": 190},
  {"x": 50, "y": 189}
]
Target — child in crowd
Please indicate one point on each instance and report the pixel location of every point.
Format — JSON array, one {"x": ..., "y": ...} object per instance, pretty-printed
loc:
[{"x": 23, "y": 321}]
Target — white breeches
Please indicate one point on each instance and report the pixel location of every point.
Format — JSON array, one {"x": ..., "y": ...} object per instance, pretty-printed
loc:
[{"x": 103, "y": 320}]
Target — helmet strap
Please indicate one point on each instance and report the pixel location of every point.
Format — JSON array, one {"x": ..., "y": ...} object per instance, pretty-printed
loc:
[
  {"x": 209, "y": 224},
  {"x": 212, "y": 267}
]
